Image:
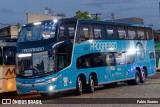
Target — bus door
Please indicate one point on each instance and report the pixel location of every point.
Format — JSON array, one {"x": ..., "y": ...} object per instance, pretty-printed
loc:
[
  {"x": 110, "y": 63},
  {"x": 115, "y": 66},
  {"x": 120, "y": 68},
  {"x": 130, "y": 60},
  {"x": 63, "y": 60}
]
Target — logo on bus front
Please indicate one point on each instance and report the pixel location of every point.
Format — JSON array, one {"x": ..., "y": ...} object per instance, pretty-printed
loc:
[
  {"x": 33, "y": 49},
  {"x": 102, "y": 46},
  {"x": 10, "y": 72}
]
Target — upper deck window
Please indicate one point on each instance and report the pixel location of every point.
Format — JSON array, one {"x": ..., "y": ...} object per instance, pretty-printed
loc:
[
  {"x": 35, "y": 32},
  {"x": 66, "y": 30},
  {"x": 132, "y": 33},
  {"x": 84, "y": 32},
  {"x": 98, "y": 31},
  {"x": 141, "y": 33},
  {"x": 121, "y": 32},
  {"x": 149, "y": 33},
  {"x": 111, "y": 32}
]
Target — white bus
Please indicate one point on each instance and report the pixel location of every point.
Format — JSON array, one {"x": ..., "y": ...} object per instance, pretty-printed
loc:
[{"x": 7, "y": 65}]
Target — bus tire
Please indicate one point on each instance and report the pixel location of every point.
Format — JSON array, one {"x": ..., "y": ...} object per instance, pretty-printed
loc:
[
  {"x": 91, "y": 85},
  {"x": 135, "y": 81},
  {"x": 79, "y": 86},
  {"x": 143, "y": 76}
]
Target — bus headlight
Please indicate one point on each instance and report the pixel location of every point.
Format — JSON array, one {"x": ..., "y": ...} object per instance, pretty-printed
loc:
[
  {"x": 53, "y": 79},
  {"x": 24, "y": 55},
  {"x": 51, "y": 88}
]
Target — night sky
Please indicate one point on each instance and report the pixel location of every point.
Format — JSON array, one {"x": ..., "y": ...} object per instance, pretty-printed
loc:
[{"x": 14, "y": 11}]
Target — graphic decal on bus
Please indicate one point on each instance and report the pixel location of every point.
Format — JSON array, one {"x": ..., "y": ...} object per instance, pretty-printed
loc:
[
  {"x": 103, "y": 46},
  {"x": 10, "y": 72}
]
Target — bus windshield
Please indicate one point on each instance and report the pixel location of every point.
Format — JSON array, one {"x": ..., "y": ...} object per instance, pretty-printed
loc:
[
  {"x": 35, "y": 64},
  {"x": 37, "y": 31}
]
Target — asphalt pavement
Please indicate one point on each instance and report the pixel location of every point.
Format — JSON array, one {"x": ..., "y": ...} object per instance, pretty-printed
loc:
[{"x": 116, "y": 96}]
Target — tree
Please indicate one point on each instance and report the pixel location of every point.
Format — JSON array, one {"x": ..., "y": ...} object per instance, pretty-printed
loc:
[
  {"x": 86, "y": 15},
  {"x": 82, "y": 15},
  {"x": 98, "y": 18}
]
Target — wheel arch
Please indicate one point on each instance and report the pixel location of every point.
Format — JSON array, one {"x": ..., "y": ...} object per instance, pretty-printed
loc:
[
  {"x": 145, "y": 68},
  {"x": 139, "y": 70},
  {"x": 83, "y": 77}
]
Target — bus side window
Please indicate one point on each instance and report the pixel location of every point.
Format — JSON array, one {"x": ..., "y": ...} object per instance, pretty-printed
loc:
[
  {"x": 120, "y": 58},
  {"x": 61, "y": 62},
  {"x": 132, "y": 33},
  {"x": 84, "y": 33},
  {"x": 98, "y": 31},
  {"x": 9, "y": 55},
  {"x": 61, "y": 35},
  {"x": 97, "y": 61},
  {"x": 141, "y": 34},
  {"x": 71, "y": 31},
  {"x": 84, "y": 62},
  {"x": 110, "y": 59},
  {"x": 121, "y": 32},
  {"x": 79, "y": 63},
  {"x": 149, "y": 34},
  {"x": 111, "y": 32},
  {"x": 129, "y": 58}
]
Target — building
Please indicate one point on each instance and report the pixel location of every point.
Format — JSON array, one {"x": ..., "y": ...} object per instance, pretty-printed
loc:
[
  {"x": 132, "y": 20},
  {"x": 40, "y": 17},
  {"x": 9, "y": 31},
  {"x": 12, "y": 30}
]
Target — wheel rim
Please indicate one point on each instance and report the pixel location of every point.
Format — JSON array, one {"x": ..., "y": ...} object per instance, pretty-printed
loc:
[
  {"x": 137, "y": 78},
  {"x": 80, "y": 85},
  {"x": 143, "y": 75},
  {"x": 92, "y": 85}
]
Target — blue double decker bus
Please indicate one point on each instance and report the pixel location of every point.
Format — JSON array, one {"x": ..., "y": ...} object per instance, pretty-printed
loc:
[{"x": 76, "y": 54}]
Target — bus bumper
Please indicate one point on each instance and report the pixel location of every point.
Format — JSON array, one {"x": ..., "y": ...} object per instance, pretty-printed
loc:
[{"x": 34, "y": 90}]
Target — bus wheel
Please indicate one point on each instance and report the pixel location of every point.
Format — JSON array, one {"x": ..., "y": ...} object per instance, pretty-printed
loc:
[
  {"x": 91, "y": 86},
  {"x": 136, "y": 81},
  {"x": 143, "y": 76},
  {"x": 79, "y": 86}
]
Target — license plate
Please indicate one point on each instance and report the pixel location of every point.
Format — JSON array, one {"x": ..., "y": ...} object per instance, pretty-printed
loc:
[{"x": 33, "y": 91}]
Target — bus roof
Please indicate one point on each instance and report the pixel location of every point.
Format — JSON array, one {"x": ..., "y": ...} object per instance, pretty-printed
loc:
[{"x": 95, "y": 21}]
